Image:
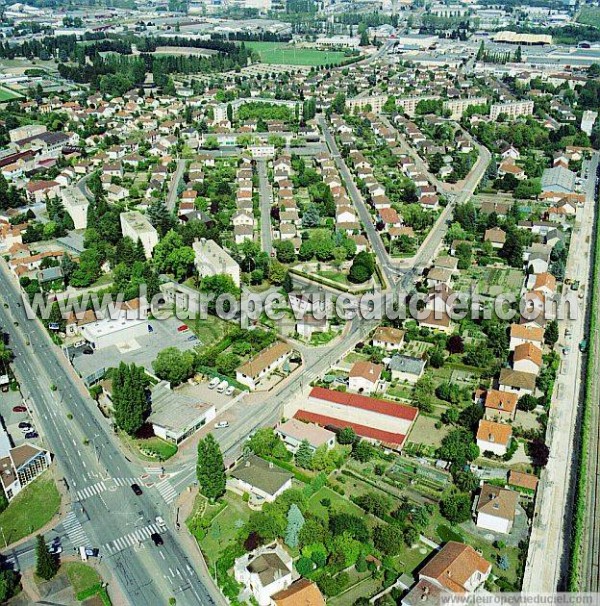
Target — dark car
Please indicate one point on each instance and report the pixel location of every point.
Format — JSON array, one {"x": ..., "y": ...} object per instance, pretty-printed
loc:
[
  {"x": 136, "y": 489},
  {"x": 88, "y": 351},
  {"x": 31, "y": 435},
  {"x": 24, "y": 424},
  {"x": 157, "y": 539}
]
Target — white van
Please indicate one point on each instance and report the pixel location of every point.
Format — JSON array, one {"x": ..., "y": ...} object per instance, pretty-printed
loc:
[
  {"x": 213, "y": 383},
  {"x": 223, "y": 385}
]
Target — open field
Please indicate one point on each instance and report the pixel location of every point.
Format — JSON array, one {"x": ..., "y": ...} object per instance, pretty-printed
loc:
[
  {"x": 277, "y": 53},
  {"x": 589, "y": 15},
  {"x": 31, "y": 509},
  {"x": 8, "y": 95}
]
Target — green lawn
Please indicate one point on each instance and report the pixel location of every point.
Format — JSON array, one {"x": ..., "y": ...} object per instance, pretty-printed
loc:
[
  {"x": 334, "y": 276},
  {"x": 156, "y": 448},
  {"x": 276, "y": 53},
  {"x": 208, "y": 331},
  {"x": 224, "y": 525},
  {"x": 338, "y": 504},
  {"x": 31, "y": 509},
  {"x": 589, "y": 15},
  {"x": 8, "y": 95},
  {"x": 81, "y": 576}
]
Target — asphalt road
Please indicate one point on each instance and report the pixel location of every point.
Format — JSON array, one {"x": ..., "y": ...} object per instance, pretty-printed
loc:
[
  {"x": 174, "y": 185},
  {"x": 114, "y": 517},
  {"x": 265, "y": 193},
  {"x": 547, "y": 559}
]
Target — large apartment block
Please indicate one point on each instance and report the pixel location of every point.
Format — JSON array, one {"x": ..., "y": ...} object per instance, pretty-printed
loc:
[{"x": 512, "y": 109}]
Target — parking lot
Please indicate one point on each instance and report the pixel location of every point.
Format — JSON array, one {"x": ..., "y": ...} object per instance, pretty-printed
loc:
[
  {"x": 8, "y": 400},
  {"x": 142, "y": 351}
]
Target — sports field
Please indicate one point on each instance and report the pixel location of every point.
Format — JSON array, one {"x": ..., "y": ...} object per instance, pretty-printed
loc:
[
  {"x": 279, "y": 53},
  {"x": 8, "y": 95},
  {"x": 589, "y": 15}
]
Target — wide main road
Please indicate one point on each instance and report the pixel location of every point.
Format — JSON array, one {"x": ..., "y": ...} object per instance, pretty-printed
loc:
[{"x": 113, "y": 518}]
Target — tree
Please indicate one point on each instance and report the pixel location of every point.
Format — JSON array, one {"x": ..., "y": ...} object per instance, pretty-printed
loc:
[
  {"x": 527, "y": 403},
  {"x": 458, "y": 447},
  {"x": 363, "y": 267},
  {"x": 455, "y": 344},
  {"x": 422, "y": 396},
  {"x": 9, "y": 583},
  {"x": 436, "y": 358},
  {"x": 551, "y": 333},
  {"x": 388, "y": 538},
  {"x": 354, "y": 525},
  {"x": 129, "y": 397},
  {"x": 362, "y": 451},
  {"x": 304, "y": 455},
  {"x": 375, "y": 503},
  {"x": 285, "y": 251},
  {"x": 46, "y": 565},
  {"x": 456, "y": 508},
  {"x": 173, "y": 365},
  {"x": 295, "y": 523},
  {"x": 277, "y": 272},
  {"x": 539, "y": 452},
  {"x": 210, "y": 469},
  {"x": 346, "y": 436},
  {"x": 512, "y": 250},
  {"x": 312, "y": 532},
  {"x": 466, "y": 480},
  {"x": 304, "y": 565}
]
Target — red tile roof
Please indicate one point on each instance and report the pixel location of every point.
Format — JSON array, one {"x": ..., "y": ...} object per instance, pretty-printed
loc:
[
  {"x": 393, "y": 439},
  {"x": 392, "y": 409}
]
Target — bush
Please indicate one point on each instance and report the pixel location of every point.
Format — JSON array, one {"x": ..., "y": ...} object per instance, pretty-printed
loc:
[{"x": 304, "y": 566}]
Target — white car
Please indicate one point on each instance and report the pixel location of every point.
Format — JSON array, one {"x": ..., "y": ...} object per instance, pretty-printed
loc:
[
  {"x": 223, "y": 385},
  {"x": 160, "y": 521},
  {"x": 221, "y": 424},
  {"x": 229, "y": 391},
  {"x": 213, "y": 383}
]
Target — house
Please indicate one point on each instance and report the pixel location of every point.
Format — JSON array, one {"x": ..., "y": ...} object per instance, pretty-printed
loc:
[
  {"x": 308, "y": 325},
  {"x": 527, "y": 357},
  {"x": 294, "y": 432},
  {"x": 496, "y": 236},
  {"x": 436, "y": 319},
  {"x": 262, "y": 480},
  {"x": 264, "y": 572},
  {"x": 300, "y": 593},
  {"x": 373, "y": 419},
  {"x": 493, "y": 437},
  {"x": 525, "y": 483},
  {"x": 456, "y": 568},
  {"x": 364, "y": 377},
  {"x": 496, "y": 508},
  {"x": 508, "y": 167},
  {"x": 439, "y": 276},
  {"x": 500, "y": 405},
  {"x": 407, "y": 369},
  {"x": 516, "y": 381},
  {"x": 544, "y": 282},
  {"x": 263, "y": 364},
  {"x": 388, "y": 338},
  {"x": 525, "y": 334}
]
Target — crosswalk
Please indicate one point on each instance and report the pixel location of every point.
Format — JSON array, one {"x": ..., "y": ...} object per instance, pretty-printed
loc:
[
  {"x": 131, "y": 539},
  {"x": 166, "y": 490},
  {"x": 74, "y": 530},
  {"x": 90, "y": 491},
  {"x": 126, "y": 481}
]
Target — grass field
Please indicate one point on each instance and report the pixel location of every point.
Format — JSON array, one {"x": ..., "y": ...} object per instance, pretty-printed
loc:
[
  {"x": 8, "y": 95},
  {"x": 31, "y": 509},
  {"x": 277, "y": 53},
  {"x": 589, "y": 15},
  {"x": 81, "y": 576}
]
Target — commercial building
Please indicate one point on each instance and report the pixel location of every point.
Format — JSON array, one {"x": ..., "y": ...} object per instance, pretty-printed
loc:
[
  {"x": 213, "y": 260},
  {"x": 558, "y": 179},
  {"x": 512, "y": 109},
  {"x": 374, "y": 102},
  {"x": 588, "y": 119},
  {"x": 507, "y": 37},
  {"x": 76, "y": 204},
  {"x": 376, "y": 420},
  {"x": 263, "y": 364},
  {"x": 176, "y": 416},
  {"x": 135, "y": 226},
  {"x": 118, "y": 330},
  {"x": 21, "y": 465}
]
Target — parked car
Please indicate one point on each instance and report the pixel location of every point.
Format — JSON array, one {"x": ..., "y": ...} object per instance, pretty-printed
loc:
[
  {"x": 157, "y": 539},
  {"x": 32, "y": 435},
  {"x": 24, "y": 424},
  {"x": 223, "y": 385},
  {"x": 192, "y": 338},
  {"x": 136, "y": 489},
  {"x": 221, "y": 424},
  {"x": 229, "y": 391},
  {"x": 213, "y": 383},
  {"x": 92, "y": 552},
  {"x": 183, "y": 328},
  {"x": 55, "y": 549}
]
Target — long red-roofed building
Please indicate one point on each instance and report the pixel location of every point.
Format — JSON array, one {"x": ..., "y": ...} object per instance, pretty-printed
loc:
[{"x": 371, "y": 418}]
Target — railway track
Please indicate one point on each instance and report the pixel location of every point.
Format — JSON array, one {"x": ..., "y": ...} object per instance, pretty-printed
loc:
[{"x": 590, "y": 573}]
